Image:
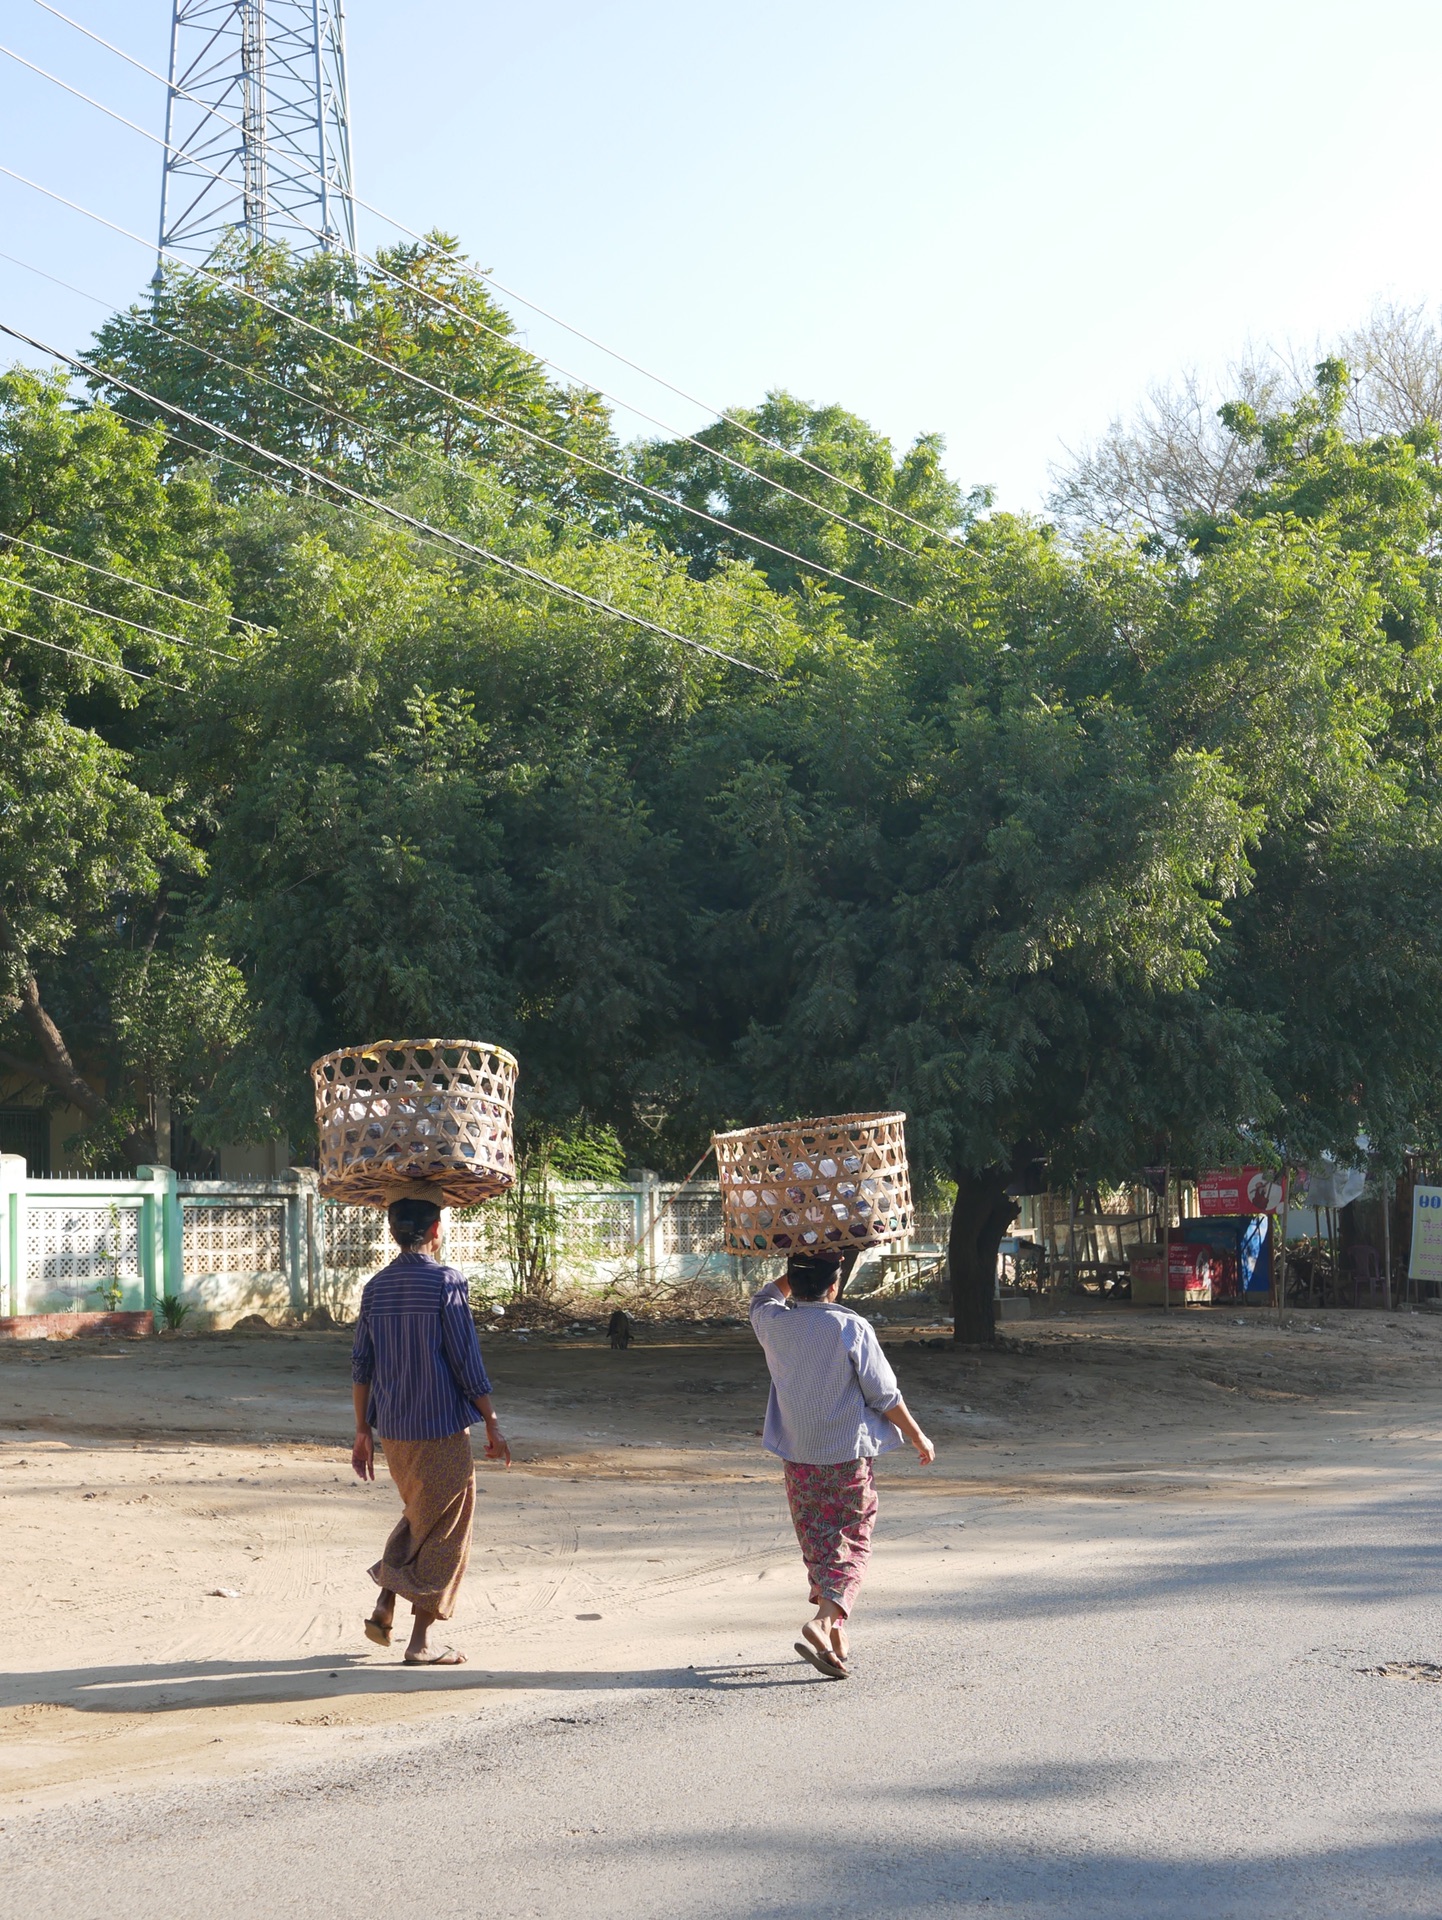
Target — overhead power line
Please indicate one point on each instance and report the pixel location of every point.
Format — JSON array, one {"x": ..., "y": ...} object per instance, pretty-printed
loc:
[
  {"x": 94, "y": 659},
  {"x": 438, "y": 538},
  {"x": 471, "y": 407},
  {"x": 127, "y": 579},
  {"x": 363, "y": 428},
  {"x": 157, "y": 633},
  {"x": 720, "y": 413},
  {"x": 687, "y": 439},
  {"x": 482, "y": 277},
  {"x": 423, "y": 529},
  {"x": 345, "y": 419},
  {"x": 356, "y": 497},
  {"x": 440, "y": 541},
  {"x": 213, "y": 454}
]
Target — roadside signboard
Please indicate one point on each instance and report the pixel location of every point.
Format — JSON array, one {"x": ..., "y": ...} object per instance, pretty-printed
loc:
[
  {"x": 1192, "y": 1275},
  {"x": 1426, "y": 1261},
  {"x": 1239, "y": 1190}
]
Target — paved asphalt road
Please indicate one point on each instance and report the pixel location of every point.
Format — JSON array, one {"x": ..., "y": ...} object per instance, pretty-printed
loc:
[{"x": 1146, "y": 1707}]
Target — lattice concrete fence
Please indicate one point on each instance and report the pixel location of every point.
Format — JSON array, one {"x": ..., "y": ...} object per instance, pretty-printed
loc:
[{"x": 230, "y": 1248}]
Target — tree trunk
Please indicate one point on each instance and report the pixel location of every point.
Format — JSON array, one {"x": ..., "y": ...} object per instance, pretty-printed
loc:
[
  {"x": 56, "y": 1068},
  {"x": 982, "y": 1214}
]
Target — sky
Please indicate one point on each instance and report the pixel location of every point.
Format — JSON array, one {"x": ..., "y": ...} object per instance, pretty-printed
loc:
[{"x": 996, "y": 223}]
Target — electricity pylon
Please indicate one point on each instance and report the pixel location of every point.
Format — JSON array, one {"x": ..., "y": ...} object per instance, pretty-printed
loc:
[{"x": 257, "y": 127}]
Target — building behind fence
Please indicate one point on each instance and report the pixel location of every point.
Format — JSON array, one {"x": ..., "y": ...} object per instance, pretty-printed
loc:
[{"x": 229, "y": 1248}]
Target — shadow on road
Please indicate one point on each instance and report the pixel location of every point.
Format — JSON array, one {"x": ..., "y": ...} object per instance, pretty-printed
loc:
[{"x": 187, "y": 1684}]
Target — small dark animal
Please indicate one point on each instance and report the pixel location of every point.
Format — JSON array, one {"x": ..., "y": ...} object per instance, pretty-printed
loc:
[{"x": 619, "y": 1329}]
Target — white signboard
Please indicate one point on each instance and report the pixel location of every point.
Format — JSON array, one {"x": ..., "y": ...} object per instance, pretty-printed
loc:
[{"x": 1426, "y": 1261}]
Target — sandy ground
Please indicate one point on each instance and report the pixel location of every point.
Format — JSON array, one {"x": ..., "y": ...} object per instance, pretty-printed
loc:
[{"x": 1155, "y": 1636}]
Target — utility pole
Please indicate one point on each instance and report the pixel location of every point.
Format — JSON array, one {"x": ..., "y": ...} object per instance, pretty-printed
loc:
[{"x": 257, "y": 128}]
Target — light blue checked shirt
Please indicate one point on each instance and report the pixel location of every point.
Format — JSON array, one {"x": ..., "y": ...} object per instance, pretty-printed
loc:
[
  {"x": 830, "y": 1382},
  {"x": 416, "y": 1349}
]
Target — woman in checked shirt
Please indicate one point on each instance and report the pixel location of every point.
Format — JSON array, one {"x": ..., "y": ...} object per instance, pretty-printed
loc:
[{"x": 834, "y": 1406}]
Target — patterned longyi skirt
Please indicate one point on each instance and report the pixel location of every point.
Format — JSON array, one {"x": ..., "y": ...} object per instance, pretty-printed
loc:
[{"x": 833, "y": 1510}]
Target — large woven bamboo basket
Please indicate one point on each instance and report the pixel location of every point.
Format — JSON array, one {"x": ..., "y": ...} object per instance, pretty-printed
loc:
[
  {"x": 809, "y": 1186},
  {"x": 425, "y": 1117}
]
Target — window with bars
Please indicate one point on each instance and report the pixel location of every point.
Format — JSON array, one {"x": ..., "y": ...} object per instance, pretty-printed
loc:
[{"x": 26, "y": 1131}]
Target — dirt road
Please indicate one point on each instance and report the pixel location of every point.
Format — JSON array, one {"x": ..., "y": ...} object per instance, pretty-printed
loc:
[{"x": 1156, "y": 1637}]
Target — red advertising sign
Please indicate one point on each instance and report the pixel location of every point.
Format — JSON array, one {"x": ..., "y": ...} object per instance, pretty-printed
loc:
[
  {"x": 1239, "y": 1190},
  {"x": 1197, "y": 1266},
  {"x": 1192, "y": 1275}
]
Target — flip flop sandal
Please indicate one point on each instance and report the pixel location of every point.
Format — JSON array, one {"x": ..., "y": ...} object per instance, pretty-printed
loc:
[
  {"x": 447, "y": 1657},
  {"x": 378, "y": 1631},
  {"x": 826, "y": 1667},
  {"x": 827, "y": 1648},
  {"x": 824, "y": 1661}
]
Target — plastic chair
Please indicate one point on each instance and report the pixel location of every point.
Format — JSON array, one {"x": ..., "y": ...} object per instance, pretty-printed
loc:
[{"x": 1366, "y": 1265}]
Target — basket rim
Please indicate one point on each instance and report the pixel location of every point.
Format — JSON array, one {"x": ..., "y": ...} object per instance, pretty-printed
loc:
[
  {"x": 416, "y": 1185},
  {"x": 380, "y": 1046},
  {"x": 831, "y": 1121}
]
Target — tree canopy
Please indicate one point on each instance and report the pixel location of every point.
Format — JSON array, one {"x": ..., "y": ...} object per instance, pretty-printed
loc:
[{"x": 1086, "y": 846}]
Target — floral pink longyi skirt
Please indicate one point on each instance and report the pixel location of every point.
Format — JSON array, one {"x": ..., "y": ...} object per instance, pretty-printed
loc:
[{"x": 833, "y": 1510}]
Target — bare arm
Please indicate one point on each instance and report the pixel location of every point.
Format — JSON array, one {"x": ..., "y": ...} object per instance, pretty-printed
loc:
[
  {"x": 900, "y": 1418},
  {"x": 363, "y": 1453},
  {"x": 496, "y": 1444}
]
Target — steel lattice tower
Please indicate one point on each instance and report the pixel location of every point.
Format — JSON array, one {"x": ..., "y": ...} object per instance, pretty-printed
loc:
[{"x": 257, "y": 126}]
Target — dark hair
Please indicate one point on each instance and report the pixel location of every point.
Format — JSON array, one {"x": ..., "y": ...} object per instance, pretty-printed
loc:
[
  {"x": 412, "y": 1220},
  {"x": 810, "y": 1274}
]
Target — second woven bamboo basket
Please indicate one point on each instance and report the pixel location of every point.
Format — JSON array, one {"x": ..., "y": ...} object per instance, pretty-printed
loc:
[{"x": 805, "y": 1186}]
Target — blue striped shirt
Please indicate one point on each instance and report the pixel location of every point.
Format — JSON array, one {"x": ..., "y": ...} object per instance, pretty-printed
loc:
[
  {"x": 830, "y": 1382},
  {"x": 416, "y": 1349}
]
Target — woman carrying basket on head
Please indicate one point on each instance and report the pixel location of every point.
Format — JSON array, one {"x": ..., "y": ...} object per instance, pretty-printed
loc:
[
  {"x": 834, "y": 1406},
  {"x": 419, "y": 1383}
]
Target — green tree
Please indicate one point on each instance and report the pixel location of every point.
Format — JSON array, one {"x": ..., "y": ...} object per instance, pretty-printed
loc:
[
  {"x": 1108, "y": 854},
  {"x": 295, "y": 353},
  {"x": 430, "y": 812},
  {"x": 825, "y": 458},
  {"x": 1284, "y": 659},
  {"x": 1338, "y": 944},
  {"x": 105, "y": 1003},
  {"x": 954, "y": 874}
]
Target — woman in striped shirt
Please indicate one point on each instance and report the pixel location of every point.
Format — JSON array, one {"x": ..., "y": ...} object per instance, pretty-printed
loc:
[
  {"x": 834, "y": 1406},
  {"x": 419, "y": 1381}
]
